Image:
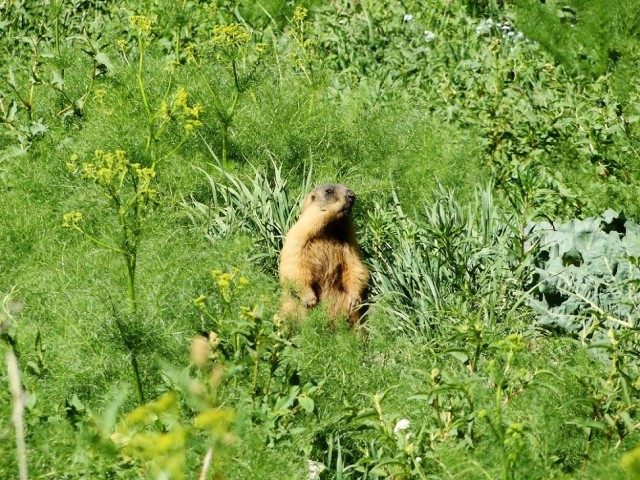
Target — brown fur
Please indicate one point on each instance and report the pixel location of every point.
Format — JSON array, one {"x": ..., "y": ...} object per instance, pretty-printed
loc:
[{"x": 320, "y": 260}]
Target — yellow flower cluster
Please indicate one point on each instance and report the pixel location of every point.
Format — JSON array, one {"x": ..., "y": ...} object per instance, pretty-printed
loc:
[
  {"x": 228, "y": 284},
  {"x": 224, "y": 279},
  {"x": 191, "y": 113},
  {"x": 300, "y": 14},
  {"x": 298, "y": 31},
  {"x": 141, "y": 23},
  {"x": 109, "y": 170},
  {"x": 71, "y": 219},
  {"x": 230, "y": 36},
  {"x": 180, "y": 108}
]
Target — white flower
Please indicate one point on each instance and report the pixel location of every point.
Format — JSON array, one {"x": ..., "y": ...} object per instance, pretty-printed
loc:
[
  {"x": 402, "y": 424},
  {"x": 418, "y": 459},
  {"x": 407, "y": 18},
  {"x": 315, "y": 469},
  {"x": 519, "y": 36},
  {"x": 429, "y": 36},
  {"x": 485, "y": 26}
]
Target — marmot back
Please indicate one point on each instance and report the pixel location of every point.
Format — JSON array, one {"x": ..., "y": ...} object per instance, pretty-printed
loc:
[{"x": 320, "y": 260}]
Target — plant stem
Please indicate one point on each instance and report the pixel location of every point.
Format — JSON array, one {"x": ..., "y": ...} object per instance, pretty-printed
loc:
[
  {"x": 18, "y": 408},
  {"x": 586, "y": 450},
  {"x": 256, "y": 367},
  {"x": 225, "y": 133},
  {"x": 58, "y": 9},
  {"x": 136, "y": 373},
  {"x": 206, "y": 464},
  {"x": 131, "y": 277},
  {"x": 145, "y": 102}
]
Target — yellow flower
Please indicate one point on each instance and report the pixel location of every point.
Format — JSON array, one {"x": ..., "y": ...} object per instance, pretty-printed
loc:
[
  {"x": 200, "y": 301},
  {"x": 196, "y": 110},
  {"x": 99, "y": 94},
  {"x": 71, "y": 219},
  {"x": 190, "y": 125},
  {"x": 181, "y": 98},
  {"x": 163, "y": 111},
  {"x": 72, "y": 164},
  {"x": 141, "y": 23},
  {"x": 230, "y": 36},
  {"x": 300, "y": 14}
]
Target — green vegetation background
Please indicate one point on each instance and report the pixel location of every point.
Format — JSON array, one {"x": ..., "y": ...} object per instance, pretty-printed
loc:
[{"x": 398, "y": 100}]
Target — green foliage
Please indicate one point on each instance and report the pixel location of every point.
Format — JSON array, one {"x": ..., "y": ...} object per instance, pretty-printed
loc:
[
  {"x": 490, "y": 77},
  {"x": 587, "y": 37},
  {"x": 420, "y": 264},
  {"x": 250, "y": 345},
  {"x": 262, "y": 207},
  {"x": 587, "y": 274},
  {"x": 229, "y": 113}
]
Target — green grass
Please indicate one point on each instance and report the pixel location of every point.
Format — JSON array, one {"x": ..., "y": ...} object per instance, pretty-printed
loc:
[
  {"x": 588, "y": 37},
  {"x": 371, "y": 104}
]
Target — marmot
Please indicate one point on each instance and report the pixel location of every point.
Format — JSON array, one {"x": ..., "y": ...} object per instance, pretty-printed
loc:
[{"x": 320, "y": 260}]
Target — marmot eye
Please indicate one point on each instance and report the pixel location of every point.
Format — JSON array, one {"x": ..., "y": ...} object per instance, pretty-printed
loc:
[{"x": 329, "y": 191}]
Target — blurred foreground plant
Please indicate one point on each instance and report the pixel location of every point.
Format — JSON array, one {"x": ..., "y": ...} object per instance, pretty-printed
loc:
[
  {"x": 164, "y": 433},
  {"x": 7, "y": 335}
]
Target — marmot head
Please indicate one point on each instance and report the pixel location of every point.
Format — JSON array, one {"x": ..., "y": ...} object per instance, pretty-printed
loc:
[{"x": 331, "y": 198}]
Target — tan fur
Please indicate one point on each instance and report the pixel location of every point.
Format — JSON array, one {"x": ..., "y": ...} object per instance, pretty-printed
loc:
[{"x": 320, "y": 260}]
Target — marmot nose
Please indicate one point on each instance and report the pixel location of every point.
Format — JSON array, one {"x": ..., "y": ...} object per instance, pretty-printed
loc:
[{"x": 351, "y": 196}]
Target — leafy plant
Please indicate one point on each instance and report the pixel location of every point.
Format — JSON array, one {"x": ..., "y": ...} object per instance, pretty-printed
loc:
[
  {"x": 262, "y": 207},
  {"x": 395, "y": 451},
  {"x": 586, "y": 276},
  {"x": 131, "y": 193},
  {"x": 609, "y": 402},
  {"x": 162, "y": 433},
  {"x": 254, "y": 347},
  {"x": 419, "y": 264}
]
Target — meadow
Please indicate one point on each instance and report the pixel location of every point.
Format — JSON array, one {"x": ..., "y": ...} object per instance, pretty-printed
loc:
[{"x": 153, "y": 155}]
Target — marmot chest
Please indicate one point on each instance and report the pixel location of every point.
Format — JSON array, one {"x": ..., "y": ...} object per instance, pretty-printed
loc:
[{"x": 327, "y": 259}]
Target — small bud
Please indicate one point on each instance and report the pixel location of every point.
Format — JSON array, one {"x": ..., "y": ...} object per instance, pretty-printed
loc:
[
  {"x": 200, "y": 351},
  {"x": 71, "y": 219}
]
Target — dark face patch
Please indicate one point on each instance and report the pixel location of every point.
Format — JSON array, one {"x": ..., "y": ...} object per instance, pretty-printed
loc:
[{"x": 333, "y": 195}]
